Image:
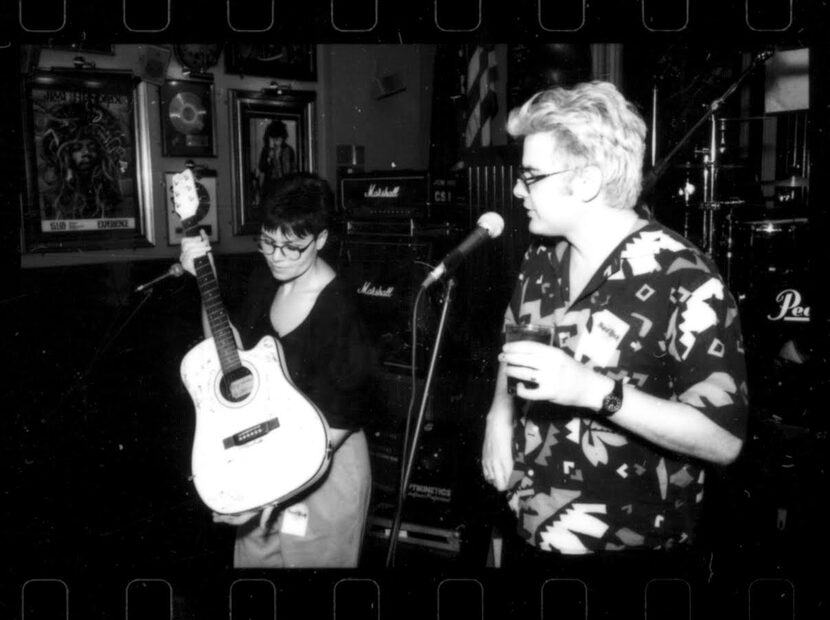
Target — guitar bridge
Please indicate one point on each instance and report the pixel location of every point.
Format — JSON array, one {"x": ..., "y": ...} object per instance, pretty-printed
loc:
[{"x": 249, "y": 434}]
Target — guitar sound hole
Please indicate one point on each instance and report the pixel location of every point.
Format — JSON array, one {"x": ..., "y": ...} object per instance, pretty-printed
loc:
[{"x": 237, "y": 385}]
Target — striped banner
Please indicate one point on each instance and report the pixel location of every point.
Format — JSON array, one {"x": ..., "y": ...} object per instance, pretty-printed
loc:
[{"x": 482, "y": 103}]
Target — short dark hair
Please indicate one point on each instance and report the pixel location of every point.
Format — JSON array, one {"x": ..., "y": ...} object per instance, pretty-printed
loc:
[
  {"x": 276, "y": 129},
  {"x": 298, "y": 204}
]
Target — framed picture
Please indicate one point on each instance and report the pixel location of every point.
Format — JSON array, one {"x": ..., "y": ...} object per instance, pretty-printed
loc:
[
  {"x": 272, "y": 136},
  {"x": 206, "y": 190},
  {"x": 87, "y": 162},
  {"x": 187, "y": 120},
  {"x": 291, "y": 62}
]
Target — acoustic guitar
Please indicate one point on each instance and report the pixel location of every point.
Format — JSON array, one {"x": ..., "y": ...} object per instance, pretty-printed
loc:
[{"x": 258, "y": 440}]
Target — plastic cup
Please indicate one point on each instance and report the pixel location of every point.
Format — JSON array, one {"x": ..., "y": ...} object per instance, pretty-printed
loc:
[{"x": 526, "y": 331}]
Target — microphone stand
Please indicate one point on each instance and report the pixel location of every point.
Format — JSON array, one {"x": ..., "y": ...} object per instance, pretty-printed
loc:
[
  {"x": 657, "y": 171},
  {"x": 409, "y": 455},
  {"x": 107, "y": 341}
]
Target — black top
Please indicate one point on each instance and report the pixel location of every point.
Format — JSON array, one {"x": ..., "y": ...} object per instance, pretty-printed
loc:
[{"x": 328, "y": 355}]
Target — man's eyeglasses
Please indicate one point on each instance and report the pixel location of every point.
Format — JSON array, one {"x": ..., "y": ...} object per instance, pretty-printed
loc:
[
  {"x": 527, "y": 178},
  {"x": 269, "y": 246}
]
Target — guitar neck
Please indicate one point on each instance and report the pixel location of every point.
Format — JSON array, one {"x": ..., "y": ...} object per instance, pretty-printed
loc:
[{"x": 220, "y": 325}]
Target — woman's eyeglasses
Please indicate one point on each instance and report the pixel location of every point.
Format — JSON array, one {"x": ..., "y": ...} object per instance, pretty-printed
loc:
[{"x": 268, "y": 246}]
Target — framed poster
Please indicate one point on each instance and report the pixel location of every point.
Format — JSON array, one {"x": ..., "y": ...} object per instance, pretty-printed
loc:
[
  {"x": 206, "y": 190},
  {"x": 272, "y": 136},
  {"x": 291, "y": 62},
  {"x": 86, "y": 162},
  {"x": 188, "y": 123}
]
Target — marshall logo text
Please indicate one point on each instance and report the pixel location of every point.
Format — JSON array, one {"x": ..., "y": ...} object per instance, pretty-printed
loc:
[
  {"x": 375, "y": 291},
  {"x": 382, "y": 192}
]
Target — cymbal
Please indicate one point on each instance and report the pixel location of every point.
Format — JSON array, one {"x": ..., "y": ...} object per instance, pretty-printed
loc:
[
  {"x": 728, "y": 203},
  {"x": 741, "y": 119},
  {"x": 688, "y": 166},
  {"x": 792, "y": 181}
]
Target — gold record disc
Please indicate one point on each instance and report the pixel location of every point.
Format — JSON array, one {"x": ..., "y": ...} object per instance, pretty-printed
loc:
[{"x": 186, "y": 113}]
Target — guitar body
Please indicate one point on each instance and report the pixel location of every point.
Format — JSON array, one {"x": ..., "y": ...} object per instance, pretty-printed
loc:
[{"x": 259, "y": 447}]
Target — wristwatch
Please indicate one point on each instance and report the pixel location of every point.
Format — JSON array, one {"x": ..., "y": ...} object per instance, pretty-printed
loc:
[{"x": 612, "y": 402}]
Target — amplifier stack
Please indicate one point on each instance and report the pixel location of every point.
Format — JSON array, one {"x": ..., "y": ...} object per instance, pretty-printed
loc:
[
  {"x": 401, "y": 195},
  {"x": 395, "y": 223}
]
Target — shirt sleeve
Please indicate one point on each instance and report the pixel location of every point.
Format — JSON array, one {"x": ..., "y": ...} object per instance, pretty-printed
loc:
[
  {"x": 513, "y": 311},
  {"x": 345, "y": 360},
  {"x": 706, "y": 350}
]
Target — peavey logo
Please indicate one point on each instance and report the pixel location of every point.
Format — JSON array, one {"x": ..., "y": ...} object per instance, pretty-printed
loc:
[
  {"x": 382, "y": 192},
  {"x": 375, "y": 291},
  {"x": 790, "y": 307}
]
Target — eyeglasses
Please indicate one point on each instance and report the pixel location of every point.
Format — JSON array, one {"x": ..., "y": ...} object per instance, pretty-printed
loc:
[
  {"x": 291, "y": 252},
  {"x": 527, "y": 178}
]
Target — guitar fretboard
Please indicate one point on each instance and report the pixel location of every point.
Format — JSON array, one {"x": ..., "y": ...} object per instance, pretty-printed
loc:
[{"x": 220, "y": 326}]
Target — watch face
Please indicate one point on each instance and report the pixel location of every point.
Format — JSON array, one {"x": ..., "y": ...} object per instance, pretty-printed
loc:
[{"x": 612, "y": 403}]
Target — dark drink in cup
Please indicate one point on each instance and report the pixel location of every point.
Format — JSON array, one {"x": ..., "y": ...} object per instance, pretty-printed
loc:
[{"x": 531, "y": 332}]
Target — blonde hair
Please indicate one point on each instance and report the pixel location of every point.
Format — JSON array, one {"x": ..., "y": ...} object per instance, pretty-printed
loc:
[{"x": 593, "y": 124}]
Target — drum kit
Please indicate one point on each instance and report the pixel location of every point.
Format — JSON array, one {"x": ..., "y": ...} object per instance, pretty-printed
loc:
[
  {"x": 727, "y": 217},
  {"x": 747, "y": 240},
  {"x": 758, "y": 241},
  {"x": 760, "y": 251}
]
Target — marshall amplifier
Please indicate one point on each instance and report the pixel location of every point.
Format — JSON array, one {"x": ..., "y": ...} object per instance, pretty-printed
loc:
[
  {"x": 388, "y": 194},
  {"x": 386, "y": 276}
]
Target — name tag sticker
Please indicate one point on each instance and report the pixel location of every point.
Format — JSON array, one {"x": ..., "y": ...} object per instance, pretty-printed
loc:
[
  {"x": 602, "y": 342},
  {"x": 295, "y": 520}
]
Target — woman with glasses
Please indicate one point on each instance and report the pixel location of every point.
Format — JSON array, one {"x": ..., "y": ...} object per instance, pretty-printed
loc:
[{"x": 296, "y": 296}]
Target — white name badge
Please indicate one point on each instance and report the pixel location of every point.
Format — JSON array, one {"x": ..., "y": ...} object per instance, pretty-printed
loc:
[
  {"x": 295, "y": 520},
  {"x": 603, "y": 341}
]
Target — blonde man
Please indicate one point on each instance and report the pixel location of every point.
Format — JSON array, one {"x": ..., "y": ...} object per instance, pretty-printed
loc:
[{"x": 603, "y": 448}]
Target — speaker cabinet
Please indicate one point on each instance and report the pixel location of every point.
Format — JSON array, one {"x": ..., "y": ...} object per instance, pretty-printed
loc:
[
  {"x": 432, "y": 526},
  {"x": 386, "y": 276}
]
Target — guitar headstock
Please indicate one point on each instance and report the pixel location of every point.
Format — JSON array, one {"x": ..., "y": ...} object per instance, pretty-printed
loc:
[{"x": 185, "y": 196}]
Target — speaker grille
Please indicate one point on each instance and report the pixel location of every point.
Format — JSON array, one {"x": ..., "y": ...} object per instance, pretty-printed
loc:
[{"x": 386, "y": 276}]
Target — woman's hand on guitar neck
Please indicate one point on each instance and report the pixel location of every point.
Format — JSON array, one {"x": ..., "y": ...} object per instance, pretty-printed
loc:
[
  {"x": 264, "y": 515},
  {"x": 193, "y": 248}
]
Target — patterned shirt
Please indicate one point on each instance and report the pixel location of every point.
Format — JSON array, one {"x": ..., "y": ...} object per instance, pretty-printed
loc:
[{"x": 657, "y": 315}]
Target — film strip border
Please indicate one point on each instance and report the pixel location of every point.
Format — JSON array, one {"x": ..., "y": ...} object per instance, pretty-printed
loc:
[
  {"x": 352, "y": 18},
  {"x": 396, "y": 596}
]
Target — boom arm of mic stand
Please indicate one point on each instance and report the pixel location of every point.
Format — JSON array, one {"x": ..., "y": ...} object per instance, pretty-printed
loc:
[
  {"x": 413, "y": 447},
  {"x": 655, "y": 173}
]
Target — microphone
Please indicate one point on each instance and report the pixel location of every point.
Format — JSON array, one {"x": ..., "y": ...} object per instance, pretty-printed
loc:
[
  {"x": 489, "y": 226},
  {"x": 176, "y": 270}
]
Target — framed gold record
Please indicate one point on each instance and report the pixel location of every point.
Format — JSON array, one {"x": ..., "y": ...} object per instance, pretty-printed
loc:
[{"x": 187, "y": 119}]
